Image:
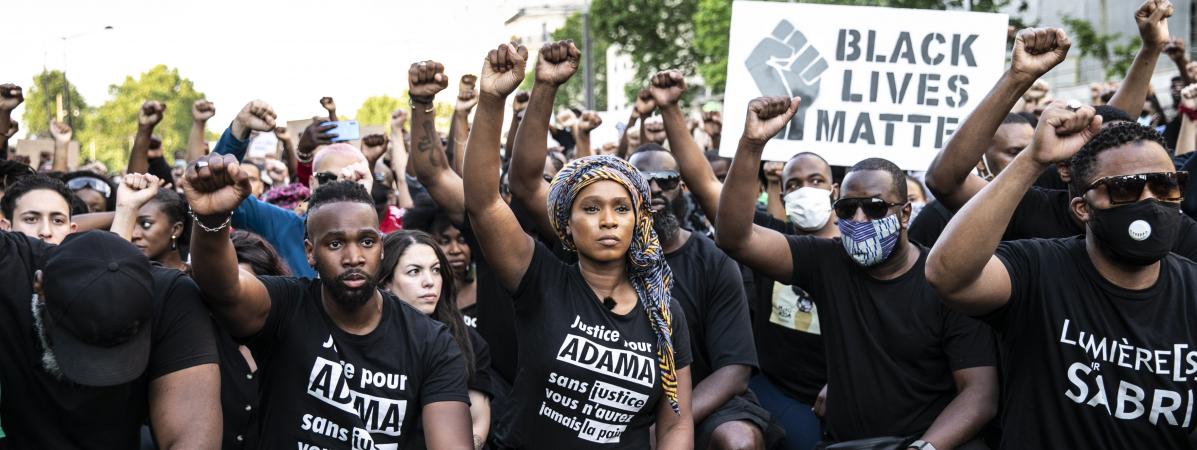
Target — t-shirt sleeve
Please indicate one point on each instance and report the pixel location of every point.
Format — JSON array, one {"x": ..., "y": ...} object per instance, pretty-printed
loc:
[
  {"x": 1028, "y": 216},
  {"x": 544, "y": 272},
  {"x": 764, "y": 219},
  {"x": 445, "y": 371},
  {"x": 682, "y": 357},
  {"x": 1186, "y": 240},
  {"x": 182, "y": 330},
  {"x": 806, "y": 253},
  {"x": 1022, "y": 267},
  {"x": 286, "y": 293},
  {"x": 728, "y": 335},
  {"x": 482, "y": 381},
  {"x": 968, "y": 342}
]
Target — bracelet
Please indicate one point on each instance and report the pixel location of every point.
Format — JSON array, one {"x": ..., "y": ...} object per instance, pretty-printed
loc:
[
  {"x": 422, "y": 100},
  {"x": 218, "y": 228},
  {"x": 299, "y": 158},
  {"x": 1190, "y": 113}
]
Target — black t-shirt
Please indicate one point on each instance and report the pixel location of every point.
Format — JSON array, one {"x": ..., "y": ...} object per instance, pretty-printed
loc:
[
  {"x": 588, "y": 378},
  {"x": 469, "y": 314},
  {"x": 41, "y": 412},
  {"x": 707, "y": 284},
  {"x": 238, "y": 394},
  {"x": 929, "y": 224},
  {"x": 482, "y": 372},
  {"x": 785, "y": 323},
  {"x": 892, "y": 345},
  {"x": 327, "y": 388},
  {"x": 1089, "y": 364}
]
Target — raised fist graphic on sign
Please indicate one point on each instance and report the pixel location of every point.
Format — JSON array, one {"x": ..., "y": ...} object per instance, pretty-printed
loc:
[{"x": 785, "y": 64}]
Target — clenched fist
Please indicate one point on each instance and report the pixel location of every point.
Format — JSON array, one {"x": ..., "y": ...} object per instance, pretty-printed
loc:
[
  {"x": 558, "y": 62},
  {"x": 467, "y": 97},
  {"x": 150, "y": 114},
  {"x": 11, "y": 96},
  {"x": 214, "y": 185},
  {"x": 60, "y": 131},
  {"x": 644, "y": 103},
  {"x": 374, "y": 145},
  {"x": 1175, "y": 49},
  {"x": 1038, "y": 50},
  {"x": 503, "y": 70},
  {"x": 398, "y": 120},
  {"x": 1062, "y": 131},
  {"x": 137, "y": 189},
  {"x": 767, "y": 116},
  {"x": 425, "y": 79},
  {"x": 667, "y": 87},
  {"x": 1152, "y": 19},
  {"x": 520, "y": 101},
  {"x": 255, "y": 116},
  {"x": 589, "y": 120},
  {"x": 202, "y": 110},
  {"x": 1188, "y": 97}
]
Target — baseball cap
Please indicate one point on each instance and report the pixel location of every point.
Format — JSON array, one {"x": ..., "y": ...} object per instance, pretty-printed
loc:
[{"x": 99, "y": 304}]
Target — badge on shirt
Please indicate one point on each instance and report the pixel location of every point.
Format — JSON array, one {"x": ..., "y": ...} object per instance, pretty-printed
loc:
[{"x": 794, "y": 309}]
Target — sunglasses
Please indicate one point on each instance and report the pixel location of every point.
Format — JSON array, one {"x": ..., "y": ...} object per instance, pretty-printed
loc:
[
  {"x": 90, "y": 183},
  {"x": 325, "y": 177},
  {"x": 1124, "y": 189},
  {"x": 874, "y": 208},
  {"x": 667, "y": 180}
]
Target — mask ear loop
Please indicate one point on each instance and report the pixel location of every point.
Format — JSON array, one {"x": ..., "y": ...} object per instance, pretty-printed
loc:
[{"x": 987, "y": 173}]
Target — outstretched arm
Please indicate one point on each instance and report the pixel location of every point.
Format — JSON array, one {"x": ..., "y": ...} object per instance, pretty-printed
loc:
[
  {"x": 758, "y": 247},
  {"x": 507, "y": 248},
  {"x": 425, "y": 79},
  {"x": 11, "y": 96},
  {"x": 134, "y": 191},
  {"x": 519, "y": 104},
  {"x": 201, "y": 111},
  {"x": 459, "y": 128},
  {"x": 556, "y": 64},
  {"x": 1186, "y": 140},
  {"x": 666, "y": 88},
  {"x": 62, "y": 144},
  {"x": 1152, "y": 18},
  {"x": 950, "y": 176},
  {"x": 962, "y": 267},
  {"x": 150, "y": 114}
]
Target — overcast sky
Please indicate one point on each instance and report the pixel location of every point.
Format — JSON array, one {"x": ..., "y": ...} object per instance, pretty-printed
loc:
[{"x": 287, "y": 53}]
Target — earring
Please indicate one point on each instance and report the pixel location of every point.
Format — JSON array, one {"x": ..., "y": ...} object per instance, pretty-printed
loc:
[{"x": 173, "y": 244}]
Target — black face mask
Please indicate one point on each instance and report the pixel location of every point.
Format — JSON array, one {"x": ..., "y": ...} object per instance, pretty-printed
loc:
[{"x": 1137, "y": 234}]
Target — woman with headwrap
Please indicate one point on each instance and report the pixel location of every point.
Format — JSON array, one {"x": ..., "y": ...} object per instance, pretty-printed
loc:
[{"x": 604, "y": 351}]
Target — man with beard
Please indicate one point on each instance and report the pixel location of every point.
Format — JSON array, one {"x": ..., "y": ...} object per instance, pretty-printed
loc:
[
  {"x": 708, "y": 286},
  {"x": 343, "y": 364},
  {"x": 94, "y": 340}
]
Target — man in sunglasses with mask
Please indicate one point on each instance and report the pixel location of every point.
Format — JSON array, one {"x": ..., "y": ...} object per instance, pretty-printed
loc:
[
  {"x": 900, "y": 365},
  {"x": 1098, "y": 330}
]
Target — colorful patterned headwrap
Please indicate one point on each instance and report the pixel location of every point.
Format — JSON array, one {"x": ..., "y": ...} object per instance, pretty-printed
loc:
[{"x": 650, "y": 275}]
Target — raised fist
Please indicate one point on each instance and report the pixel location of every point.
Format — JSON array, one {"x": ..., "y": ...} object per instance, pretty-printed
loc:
[
  {"x": 398, "y": 120},
  {"x": 654, "y": 130},
  {"x": 503, "y": 70},
  {"x": 60, "y": 131},
  {"x": 374, "y": 145},
  {"x": 1191, "y": 70},
  {"x": 1188, "y": 97},
  {"x": 282, "y": 134},
  {"x": 773, "y": 171},
  {"x": 202, "y": 110},
  {"x": 784, "y": 64},
  {"x": 151, "y": 113},
  {"x": 1152, "y": 19},
  {"x": 767, "y": 116},
  {"x": 467, "y": 97},
  {"x": 426, "y": 78},
  {"x": 1175, "y": 49},
  {"x": 588, "y": 121},
  {"x": 644, "y": 103},
  {"x": 13, "y": 127},
  {"x": 520, "y": 102},
  {"x": 667, "y": 87},
  {"x": 256, "y": 116},
  {"x": 314, "y": 136},
  {"x": 10, "y": 96},
  {"x": 1038, "y": 50},
  {"x": 214, "y": 186},
  {"x": 328, "y": 104},
  {"x": 557, "y": 62},
  {"x": 1062, "y": 131},
  {"x": 712, "y": 123},
  {"x": 137, "y": 189}
]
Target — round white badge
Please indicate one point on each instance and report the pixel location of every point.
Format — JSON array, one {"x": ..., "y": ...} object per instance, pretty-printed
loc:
[{"x": 1139, "y": 230}]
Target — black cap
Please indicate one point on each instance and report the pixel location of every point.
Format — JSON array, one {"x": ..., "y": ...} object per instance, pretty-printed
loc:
[{"x": 99, "y": 302}]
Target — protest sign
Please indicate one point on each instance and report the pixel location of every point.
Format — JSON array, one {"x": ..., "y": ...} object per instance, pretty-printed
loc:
[{"x": 874, "y": 82}]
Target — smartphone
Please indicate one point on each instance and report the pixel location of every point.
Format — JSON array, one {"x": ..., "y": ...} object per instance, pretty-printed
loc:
[{"x": 346, "y": 130}]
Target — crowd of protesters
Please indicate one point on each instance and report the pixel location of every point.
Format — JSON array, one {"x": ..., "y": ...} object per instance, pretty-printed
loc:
[{"x": 476, "y": 288}]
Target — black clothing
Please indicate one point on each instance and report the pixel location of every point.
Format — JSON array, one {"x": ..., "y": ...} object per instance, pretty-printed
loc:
[
  {"x": 238, "y": 394},
  {"x": 324, "y": 387},
  {"x": 38, "y": 410},
  {"x": 588, "y": 377},
  {"x": 929, "y": 224},
  {"x": 1089, "y": 364},
  {"x": 892, "y": 345}
]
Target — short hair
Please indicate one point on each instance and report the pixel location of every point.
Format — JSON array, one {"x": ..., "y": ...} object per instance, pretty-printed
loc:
[
  {"x": 11, "y": 171},
  {"x": 339, "y": 192},
  {"x": 1084, "y": 162},
  {"x": 425, "y": 215},
  {"x": 1110, "y": 114},
  {"x": 648, "y": 147},
  {"x": 898, "y": 176},
  {"x": 29, "y": 183},
  {"x": 816, "y": 155},
  {"x": 260, "y": 255},
  {"x": 1019, "y": 118}
]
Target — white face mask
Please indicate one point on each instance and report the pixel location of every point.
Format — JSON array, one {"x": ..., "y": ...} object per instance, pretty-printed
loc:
[{"x": 808, "y": 208}]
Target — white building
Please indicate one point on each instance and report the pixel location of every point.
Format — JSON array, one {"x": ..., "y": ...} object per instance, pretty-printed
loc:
[
  {"x": 620, "y": 72},
  {"x": 532, "y": 21}
]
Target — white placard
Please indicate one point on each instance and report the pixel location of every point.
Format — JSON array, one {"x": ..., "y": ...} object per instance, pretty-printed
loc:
[
  {"x": 875, "y": 82},
  {"x": 265, "y": 143}
]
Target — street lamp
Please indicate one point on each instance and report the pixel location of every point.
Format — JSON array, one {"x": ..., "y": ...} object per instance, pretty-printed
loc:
[{"x": 66, "y": 90}]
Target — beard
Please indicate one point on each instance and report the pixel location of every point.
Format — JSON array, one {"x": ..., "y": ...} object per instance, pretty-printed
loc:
[
  {"x": 49, "y": 359},
  {"x": 667, "y": 221},
  {"x": 352, "y": 297}
]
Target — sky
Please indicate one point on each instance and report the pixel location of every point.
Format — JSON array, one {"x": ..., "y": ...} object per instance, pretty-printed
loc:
[{"x": 287, "y": 53}]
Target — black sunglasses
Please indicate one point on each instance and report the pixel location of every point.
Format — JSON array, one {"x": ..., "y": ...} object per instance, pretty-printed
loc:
[
  {"x": 1124, "y": 189},
  {"x": 874, "y": 208},
  {"x": 667, "y": 180},
  {"x": 325, "y": 177}
]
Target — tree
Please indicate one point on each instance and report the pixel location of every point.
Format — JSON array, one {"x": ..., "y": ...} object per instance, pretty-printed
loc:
[
  {"x": 41, "y": 104},
  {"x": 657, "y": 34},
  {"x": 1114, "y": 57},
  {"x": 111, "y": 127},
  {"x": 377, "y": 109},
  {"x": 573, "y": 92}
]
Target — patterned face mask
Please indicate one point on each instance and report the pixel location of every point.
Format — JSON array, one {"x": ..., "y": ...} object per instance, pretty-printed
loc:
[{"x": 870, "y": 243}]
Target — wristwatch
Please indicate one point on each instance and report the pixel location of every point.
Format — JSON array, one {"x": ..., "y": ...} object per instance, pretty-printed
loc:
[{"x": 921, "y": 445}]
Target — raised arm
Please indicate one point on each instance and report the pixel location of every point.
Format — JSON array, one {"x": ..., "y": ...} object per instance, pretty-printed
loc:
[
  {"x": 950, "y": 176},
  {"x": 13, "y": 128},
  {"x": 962, "y": 267},
  {"x": 330, "y": 106},
  {"x": 666, "y": 88},
  {"x": 373, "y": 146},
  {"x": 587, "y": 122},
  {"x": 556, "y": 63},
  {"x": 507, "y": 248},
  {"x": 11, "y": 96},
  {"x": 254, "y": 116},
  {"x": 1152, "y": 19},
  {"x": 425, "y": 79},
  {"x": 757, "y": 247},
  {"x": 62, "y": 144},
  {"x": 148, "y": 116},
  {"x": 519, "y": 103},
  {"x": 310, "y": 138},
  {"x": 214, "y": 186},
  {"x": 201, "y": 111},
  {"x": 459, "y": 128},
  {"x": 1175, "y": 50},
  {"x": 399, "y": 158},
  {"x": 1186, "y": 140},
  {"x": 287, "y": 156},
  {"x": 134, "y": 191}
]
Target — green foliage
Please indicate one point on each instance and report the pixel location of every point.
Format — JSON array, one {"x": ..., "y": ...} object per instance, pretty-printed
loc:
[
  {"x": 41, "y": 104},
  {"x": 1124, "y": 57},
  {"x": 658, "y": 34},
  {"x": 1116, "y": 58},
  {"x": 111, "y": 127},
  {"x": 573, "y": 92},
  {"x": 377, "y": 110}
]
